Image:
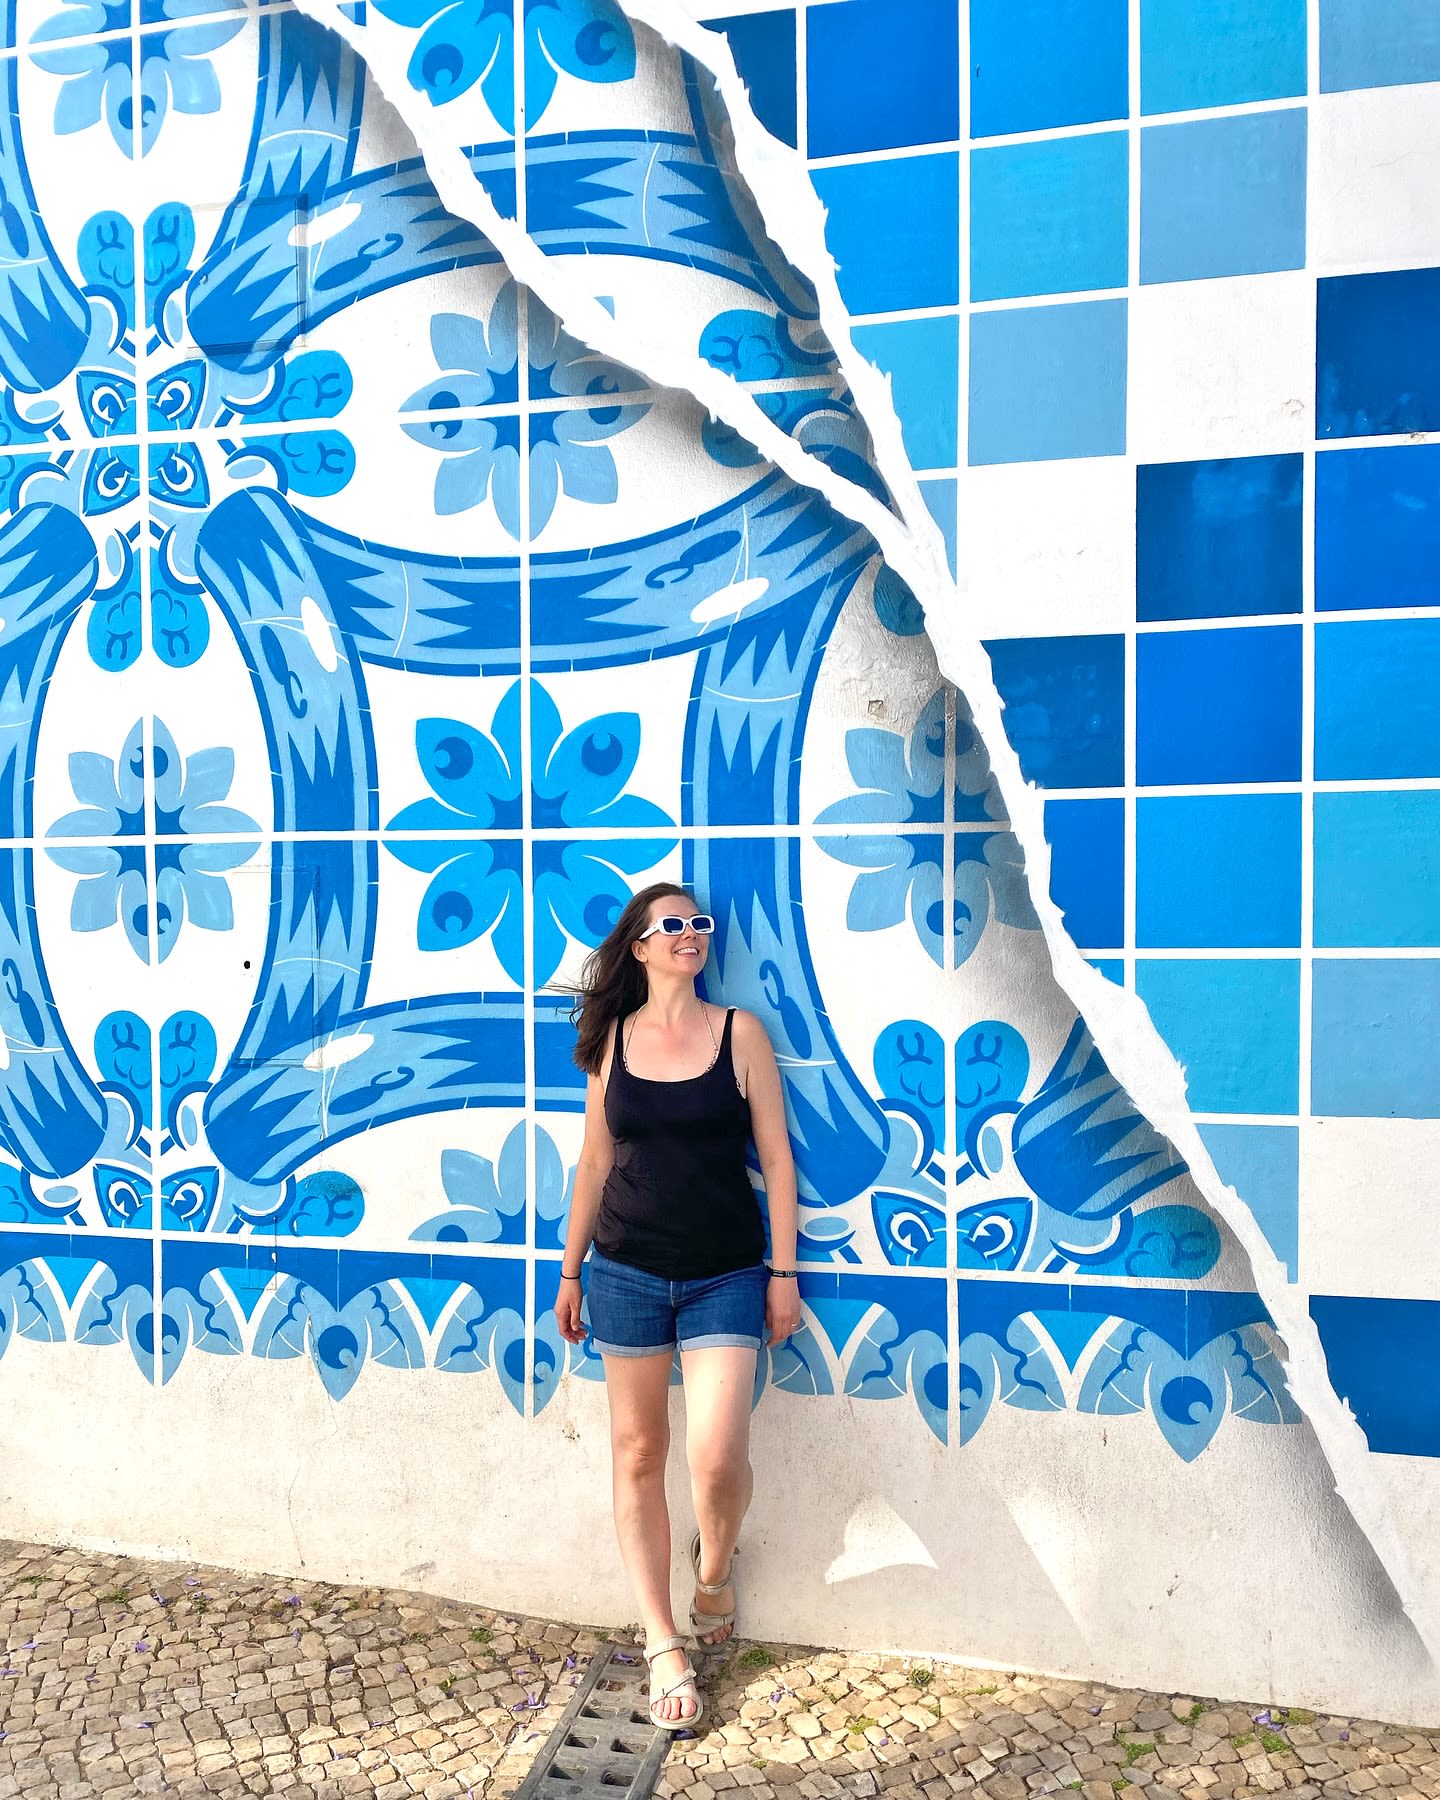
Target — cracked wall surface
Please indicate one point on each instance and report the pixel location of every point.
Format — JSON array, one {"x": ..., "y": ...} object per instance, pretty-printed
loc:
[{"x": 445, "y": 490}]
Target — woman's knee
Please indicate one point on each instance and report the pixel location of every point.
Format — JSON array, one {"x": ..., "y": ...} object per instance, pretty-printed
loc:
[
  {"x": 640, "y": 1451},
  {"x": 719, "y": 1469}
]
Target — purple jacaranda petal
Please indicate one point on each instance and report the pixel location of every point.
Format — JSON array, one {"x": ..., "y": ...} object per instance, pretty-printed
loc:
[
  {"x": 192, "y": 1581},
  {"x": 16, "y": 1672},
  {"x": 569, "y": 1662},
  {"x": 142, "y": 1645},
  {"x": 1094, "y": 1712},
  {"x": 620, "y": 1656},
  {"x": 1344, "y": 1737},
  {"x": 34, "y": 1641}
]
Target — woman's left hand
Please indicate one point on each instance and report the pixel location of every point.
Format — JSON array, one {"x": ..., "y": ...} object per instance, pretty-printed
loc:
[{"x": 782, "y": 1309}]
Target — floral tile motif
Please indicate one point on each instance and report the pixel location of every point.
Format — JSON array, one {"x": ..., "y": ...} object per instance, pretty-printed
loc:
[{"x": 368, "y": 641}]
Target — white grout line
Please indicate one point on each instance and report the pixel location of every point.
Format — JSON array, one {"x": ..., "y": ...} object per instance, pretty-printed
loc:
[
  {"x": 1122, "y": 1029},
  {"x": 1130, "y": 901}
]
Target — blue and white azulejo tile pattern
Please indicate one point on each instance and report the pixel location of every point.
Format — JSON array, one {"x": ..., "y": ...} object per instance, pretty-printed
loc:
[{"x": 368, "y": 640}]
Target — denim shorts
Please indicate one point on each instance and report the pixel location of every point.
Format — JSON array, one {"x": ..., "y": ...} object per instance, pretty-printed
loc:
[{"x": 635, "y": 1313}]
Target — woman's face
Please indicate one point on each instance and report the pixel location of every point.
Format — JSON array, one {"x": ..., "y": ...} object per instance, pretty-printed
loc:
[{"x": 683, "y": 952}]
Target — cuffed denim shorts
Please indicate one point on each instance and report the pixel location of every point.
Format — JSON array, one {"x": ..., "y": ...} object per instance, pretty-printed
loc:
[{"x": 635, "y": 1313}]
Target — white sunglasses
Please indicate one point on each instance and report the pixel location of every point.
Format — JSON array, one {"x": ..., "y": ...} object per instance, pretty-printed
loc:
[{"x": 672, "y": 925}]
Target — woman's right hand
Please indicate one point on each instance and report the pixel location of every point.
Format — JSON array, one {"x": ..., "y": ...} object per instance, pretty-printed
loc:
[{"x": 567, "y": 1312}]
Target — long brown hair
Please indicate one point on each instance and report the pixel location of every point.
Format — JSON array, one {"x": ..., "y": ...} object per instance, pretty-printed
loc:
[{"x": 612, "y": 981}]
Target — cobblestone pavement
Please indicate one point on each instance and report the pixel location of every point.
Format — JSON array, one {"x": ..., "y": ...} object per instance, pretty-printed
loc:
[{"x": 123, "y": 1676}]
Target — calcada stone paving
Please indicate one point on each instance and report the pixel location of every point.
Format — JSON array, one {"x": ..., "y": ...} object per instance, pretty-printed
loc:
[{"x": 125, "y": 1676}]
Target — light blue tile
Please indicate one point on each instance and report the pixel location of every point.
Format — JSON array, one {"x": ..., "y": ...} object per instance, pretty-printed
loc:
[
  {"x": 1219, "y": 52},
  {"x": 1376, "y": 717},
  {"x": 1234, "y": 1024},
  {"x": 894, "y": 230},
  {"x": 939, "y": 496},
  {"x": 1377, "y": 870},
  {"x": 922, "y": 358},
  {"x": 1048, "y": 382},
  {"x": 1378, "y": 43},
  {"x": 1375, "y": 1038},
  {"x": 1262, "y": 1164},
  {"x": 1218, "y": 871},
  {"x": 1223, "y": 196},
  {"x": 1050, "y": 218}
]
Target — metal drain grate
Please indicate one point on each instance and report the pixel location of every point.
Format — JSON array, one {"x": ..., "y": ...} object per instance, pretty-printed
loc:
[{"x": 604, "y": 1747}]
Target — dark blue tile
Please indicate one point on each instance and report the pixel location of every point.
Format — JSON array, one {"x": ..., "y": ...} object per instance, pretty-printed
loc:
[
  {"x": 1382, "y": 1357},
  {"x": 881, "y": 74},
  {"x": 1376, "y": 717},
  {"x": 1217, "y": 706},
  {"x": 763, "y": 45},
  {"x": 1219, "y": 539},
  {"x": 1064, "y": 707},
  {"x": 1377, "y": 527},
  {"x": 894, "y": 230},
  {"x": 1087, "y": 869},
  {"x": 1037, "y": 63},
  {"x": 1377, "y": 354}
]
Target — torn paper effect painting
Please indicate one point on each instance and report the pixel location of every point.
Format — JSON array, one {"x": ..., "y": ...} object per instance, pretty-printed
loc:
[{"x": 438, "y": 501}]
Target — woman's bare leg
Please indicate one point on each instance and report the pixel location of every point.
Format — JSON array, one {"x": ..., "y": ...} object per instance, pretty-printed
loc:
[
  {"x": 719, "y": 1383},
  {"x": 638, "y": 1390}
]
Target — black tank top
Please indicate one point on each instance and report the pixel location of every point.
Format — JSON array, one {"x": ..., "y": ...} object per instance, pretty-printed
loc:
[{"x": 677, "y": 1201}]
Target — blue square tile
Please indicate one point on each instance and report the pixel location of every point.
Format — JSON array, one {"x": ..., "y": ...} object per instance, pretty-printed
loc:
[
  {"x": 1377, "y": 870},
  {"x": 1218, "y": 871},
  {"x": 1035, "y": 64},
  {"x": 1050, "y": 218},
  {"x": 1377, "y": 527},
  {"x": 1048, "y": 382},
  {"x": 1217, "y": 706},
  {"x": 1262, "y": 1164},
  {"x": 881, "y": 74},
  {"x": 763, "y": 45},
  {"x": 1377, "y": 354},
  {"x": 1234, "y": 1024},
  {"x": 1110, "y": 967},
  {"x": 1375, "y": 1038},
  {"x": 1087, "y": 869},
  {"x": 939, "y": 496},
  {"x": 1219, "y": 52},
  {"x": 1378, "y": 43},
  {"x": 1376, "y": 717},
  {"x": 894, "y": 230},
  {"x": 1219, "y": 539},
  {"x": 1064, "y": 707},
  {"x": 1223, "y": 196},
  {"x": 922, "y": 359},
  {"x": 1382, "y": 1357}
]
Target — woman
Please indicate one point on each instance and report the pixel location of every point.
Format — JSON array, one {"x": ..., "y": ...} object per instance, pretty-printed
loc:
[{"x": 676, "y": 1089}]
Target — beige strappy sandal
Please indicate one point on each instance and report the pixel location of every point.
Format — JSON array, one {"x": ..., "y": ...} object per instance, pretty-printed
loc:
[
  {"x": 703, "y": 1622},
  {"x": 686, "y": 1720}
]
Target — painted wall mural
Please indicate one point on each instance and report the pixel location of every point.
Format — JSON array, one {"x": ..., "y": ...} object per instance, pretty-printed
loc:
[{"x": 367, "y": 638}]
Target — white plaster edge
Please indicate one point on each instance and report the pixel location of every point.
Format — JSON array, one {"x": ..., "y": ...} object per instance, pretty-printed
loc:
[{"x": 1118, "y": 1021}]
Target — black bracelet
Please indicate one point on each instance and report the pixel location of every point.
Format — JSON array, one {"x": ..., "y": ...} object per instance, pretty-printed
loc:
[
  {"x": 785, "y": 1274},
  {"x": 565, "y": 1277}
]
